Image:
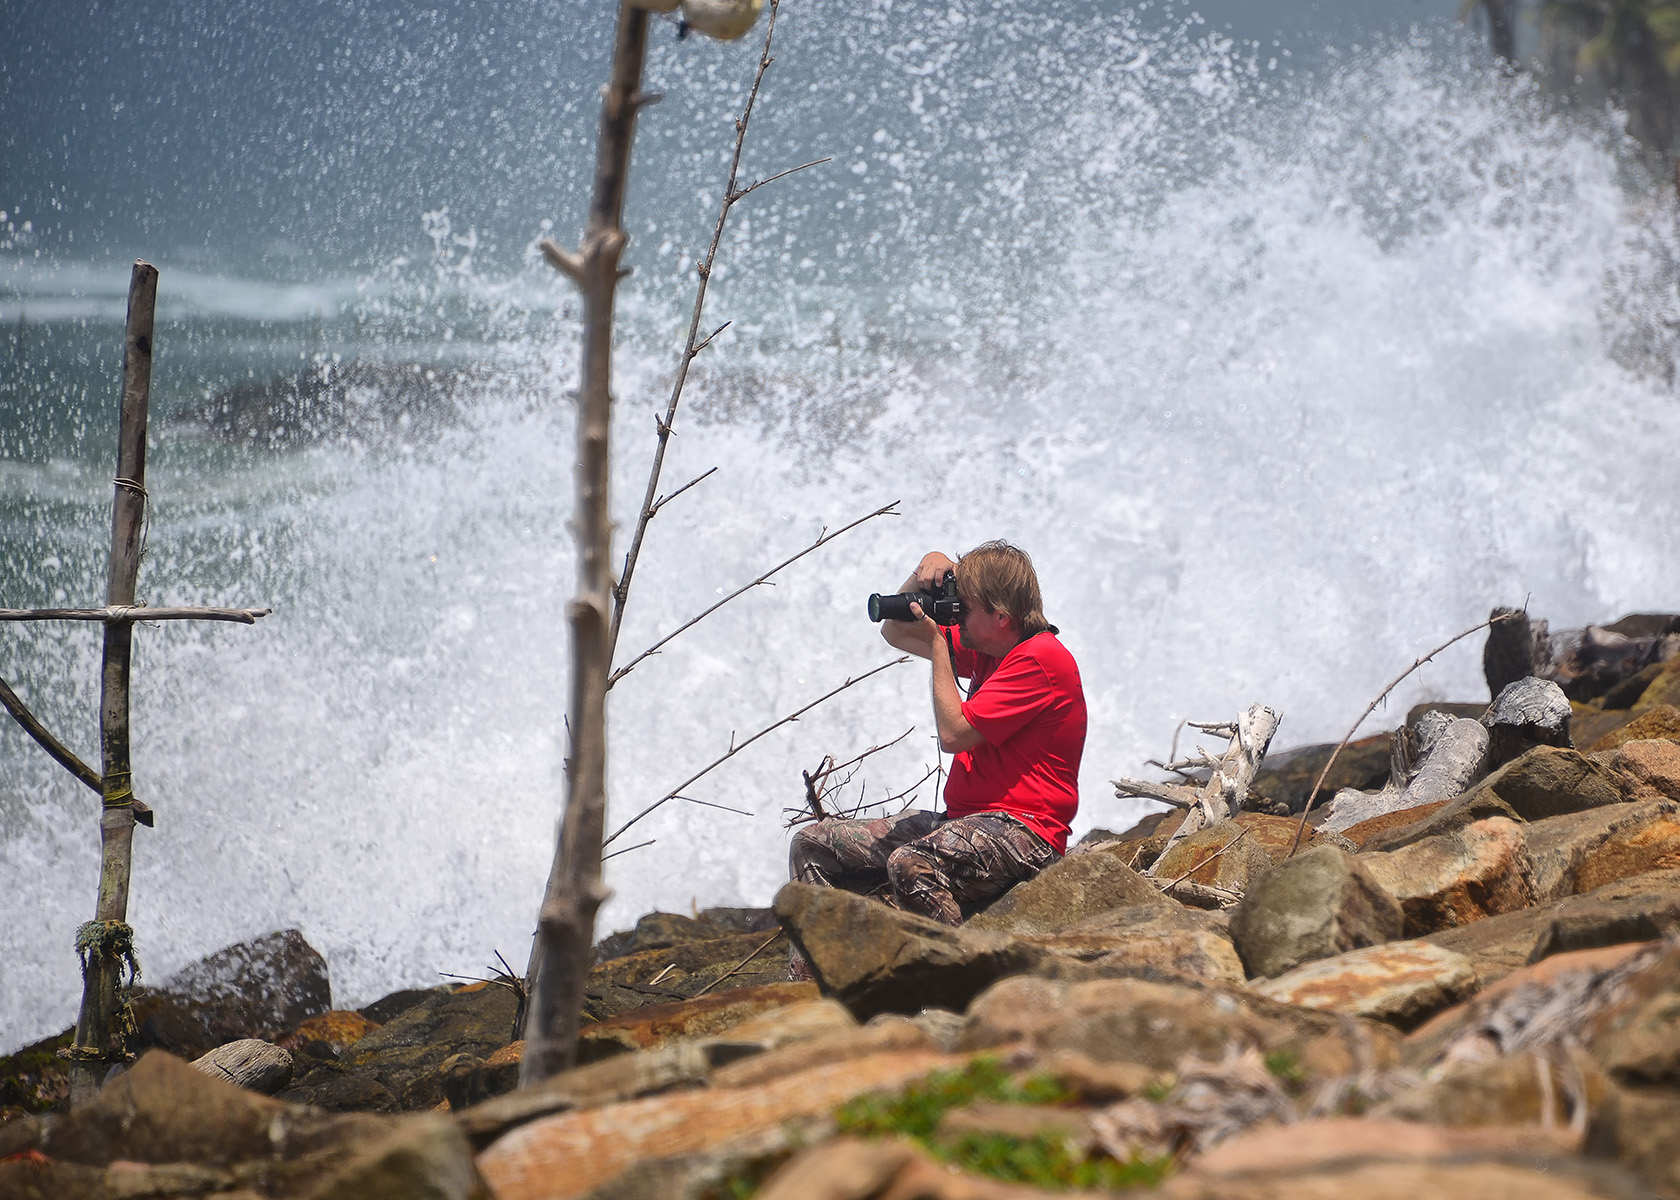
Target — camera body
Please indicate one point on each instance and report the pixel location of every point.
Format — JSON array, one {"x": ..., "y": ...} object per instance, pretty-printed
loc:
[{"x": 943, "y": 605}]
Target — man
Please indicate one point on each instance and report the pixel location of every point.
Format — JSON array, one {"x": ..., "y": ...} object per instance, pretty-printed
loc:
[{"x": 1017, "y": 738}]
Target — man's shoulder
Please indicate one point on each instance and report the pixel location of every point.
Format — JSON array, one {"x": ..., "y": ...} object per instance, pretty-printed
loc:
[{"x": 1047, "y": 650}]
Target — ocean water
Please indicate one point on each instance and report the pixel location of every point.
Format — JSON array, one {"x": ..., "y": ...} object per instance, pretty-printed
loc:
[{"x": 1285, "y": 361}]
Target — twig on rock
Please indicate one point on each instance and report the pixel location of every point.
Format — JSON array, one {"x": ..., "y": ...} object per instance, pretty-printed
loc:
[
  {"x": 737, "y": 967},
  {"x": 1371, "y": 708},
  {"x": 1169, "y": 887}
]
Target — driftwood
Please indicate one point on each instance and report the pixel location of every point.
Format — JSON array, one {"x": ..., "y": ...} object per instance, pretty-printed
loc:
[
  {"x": 1222, "y": 795},
  {"x": 1499, "y": 617},
  {"x": 1450, "y": 756},
  {"x": 250, "y": 1063},
  {"x": 1530, "y": 712},
  {"x": 1586, "y": 663}
]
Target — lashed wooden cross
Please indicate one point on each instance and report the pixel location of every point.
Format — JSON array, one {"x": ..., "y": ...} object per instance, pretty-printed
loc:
[{"x": 106, "y": 942}]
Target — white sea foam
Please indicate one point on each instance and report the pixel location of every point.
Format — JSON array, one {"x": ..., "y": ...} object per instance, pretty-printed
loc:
[{"x": 1293, "y": 381}]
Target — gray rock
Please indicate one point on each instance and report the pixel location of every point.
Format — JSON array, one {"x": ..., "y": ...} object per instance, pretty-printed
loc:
[
  {"x": 249, "y": 1063},
  {"x": 1548, "y": 781},
  {"x": 1529, "y": 712},
  {"x": 875, "y": 959},
  {"x": 257, "y": 989},
  {"x": 1312, "y": 906},
  {"x": 1079, "y": 887}
]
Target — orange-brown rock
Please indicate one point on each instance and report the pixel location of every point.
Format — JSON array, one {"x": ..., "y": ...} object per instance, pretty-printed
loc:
[
  {"x": 1654, "y": 845},
  {"x": 1478, "y": 871},
  {"x": 657, "y": 1024},
  {"x": 1663, "y": 721},
  {"x": 562, "y": 1156},
  {"x": 1638, "y": 908},
  {"x": 339, "y": 1029},
  {"x": 1342, "y": 1141},
  {"x": 1215, "y": 855},
  {"x": 882, "y": 1035},
  {"x": 1376, "y": 1159},
  {"x": 1366, "y": 830},
  {"x": 1580, "y": 851},
  {"x": 1401, "y": 983},
  {"x": 1654, "y": 766}
]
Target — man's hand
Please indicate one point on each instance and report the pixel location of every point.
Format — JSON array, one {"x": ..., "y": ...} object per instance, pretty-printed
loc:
[
  {"x": 930, "y": 573},
  {"x": 904, "y": 635},
  {"x": 955, "y": 733}
]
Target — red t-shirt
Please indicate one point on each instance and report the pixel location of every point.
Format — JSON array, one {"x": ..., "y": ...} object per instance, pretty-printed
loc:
[{"x": 1030, "y": 708}]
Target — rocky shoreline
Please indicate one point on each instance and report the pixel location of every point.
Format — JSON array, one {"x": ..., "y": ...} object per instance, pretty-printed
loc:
[{"x": 1470, "y": 995}]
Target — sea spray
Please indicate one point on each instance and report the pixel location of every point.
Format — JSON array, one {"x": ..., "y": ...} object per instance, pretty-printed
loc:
[{"x": 1280, "y": 377}]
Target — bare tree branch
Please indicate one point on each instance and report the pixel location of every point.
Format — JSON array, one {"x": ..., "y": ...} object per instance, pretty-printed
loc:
[
  {"x": 627, "y": 849},
  {"x": 822, "y": 540},
  {"x": 621, "y": 593},
  {"x": 753, "y": 187},
  {"x": 735, "y": 749},
  {"x": 59, "y": 752},
  {"x": 1372, "y": 707}
]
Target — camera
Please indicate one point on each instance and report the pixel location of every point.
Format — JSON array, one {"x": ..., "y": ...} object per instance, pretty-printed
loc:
[{"x": 943, "y": 605}]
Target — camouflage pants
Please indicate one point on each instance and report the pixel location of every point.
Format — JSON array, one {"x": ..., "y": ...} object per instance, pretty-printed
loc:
[{"x": 921, "y": 862}]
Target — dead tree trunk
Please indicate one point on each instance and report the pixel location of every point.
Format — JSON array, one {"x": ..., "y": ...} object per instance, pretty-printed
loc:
[
  {"x": 1222, "y": 795},
  {"x": 560, "y": 960},
  {"x": 106, "y": 943}
]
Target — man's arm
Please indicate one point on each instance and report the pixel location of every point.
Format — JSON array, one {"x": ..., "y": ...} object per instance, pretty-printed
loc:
[
  {"x": 922, "y": 636},
  {"x": 902, "y": 635}
]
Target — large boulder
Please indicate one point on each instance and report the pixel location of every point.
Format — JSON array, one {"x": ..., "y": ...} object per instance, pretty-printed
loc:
[
  {"x": 257, "y": 989},
  {"x": 1659, "y": 721},
  {"x": 1653, "y": 766},
  {"x": 682, "y": 967},
  {"x": 1315, "y": 905},
  {"x": 1633, "y": 909},
  {"x": 1459, "y": 877},
  {"x": 1393, "y": 831},
  {"x": 1580, "y": 851},
  {"x": 1401, "y": 983},
  {"x": 1527, "y": 713},
  {"x": 875, "y": 959},
  {"x": 1078, "y": 887}
]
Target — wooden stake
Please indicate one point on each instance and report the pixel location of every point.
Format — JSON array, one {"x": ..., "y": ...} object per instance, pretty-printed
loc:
[{"x": 100, "y": 1037}]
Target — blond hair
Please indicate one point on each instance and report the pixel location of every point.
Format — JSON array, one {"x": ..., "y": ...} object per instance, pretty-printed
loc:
[{"x": 1000, "y": 577}]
